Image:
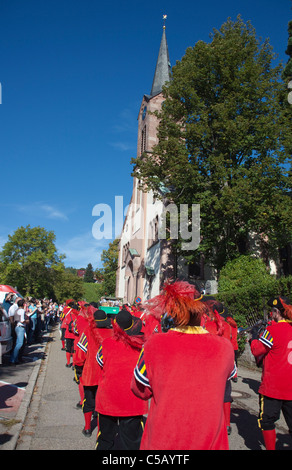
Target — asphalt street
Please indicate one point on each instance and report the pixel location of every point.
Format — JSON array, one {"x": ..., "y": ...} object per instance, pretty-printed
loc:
[{"x": 38, "y": 405}]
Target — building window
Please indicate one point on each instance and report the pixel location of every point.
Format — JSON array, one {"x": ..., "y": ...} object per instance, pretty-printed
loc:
[
  {"x": 153, "y": 236},
  {"x": 138, "y": 197},
  {"x": 125, "y": 252},
  {"x": 156, "y": 229},
  {"x": 143, "y": 140}
]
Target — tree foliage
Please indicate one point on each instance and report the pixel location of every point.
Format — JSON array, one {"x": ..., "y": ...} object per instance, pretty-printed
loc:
[
  {"x": 109, "y": 259},
  {"x": 68, "y": 286},
  {"x": 30, "y": 261},
  {"x": 89, "y": 274},
  {"x": 287, "y": 72},
  {"x": 245, "y": 273},
  {"x": 225, "y": 143}
]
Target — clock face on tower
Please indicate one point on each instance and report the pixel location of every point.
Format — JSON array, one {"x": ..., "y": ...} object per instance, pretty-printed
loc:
[{"x": 144, "y": 112}]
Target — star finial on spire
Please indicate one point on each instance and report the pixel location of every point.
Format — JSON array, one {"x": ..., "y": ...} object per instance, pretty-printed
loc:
[{"x": 164, "y": 18}]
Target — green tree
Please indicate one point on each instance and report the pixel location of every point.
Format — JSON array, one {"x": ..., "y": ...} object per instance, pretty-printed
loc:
[
  {"x": 109, "y": 259},
  {"x": 225, "y": 143},
  {"x": 30, "y": 261},
  {"x": 68, "y": 286},
  {"x": 287, "y": 72},
  {"x": 89, "y": 274},
  {"x": 98, "y": 273}
]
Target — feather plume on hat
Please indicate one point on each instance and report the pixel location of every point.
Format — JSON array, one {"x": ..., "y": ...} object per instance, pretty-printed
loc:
[
  {"x": 287, "y": 312},
  {"x": 180, "y": 300}
]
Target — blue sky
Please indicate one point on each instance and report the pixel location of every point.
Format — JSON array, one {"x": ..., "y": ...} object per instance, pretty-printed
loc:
[{"x": 73, "y": 74}]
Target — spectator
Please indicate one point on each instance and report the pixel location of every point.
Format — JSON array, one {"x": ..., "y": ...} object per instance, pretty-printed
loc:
[
  {"x": 8, "y": 301},
  {"x": 20, "y": 327},
  {"x": 3, "y": 314},
  {"x": 11, "y": 313},
  {"x": 32, "y": 312}
]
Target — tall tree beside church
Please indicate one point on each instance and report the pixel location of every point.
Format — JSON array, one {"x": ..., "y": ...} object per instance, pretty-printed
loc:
[
  {"x": 225, "y": 143},
  {"x": 287, "y": 72}
]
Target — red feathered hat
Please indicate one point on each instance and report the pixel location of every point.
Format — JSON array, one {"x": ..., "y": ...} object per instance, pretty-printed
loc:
[
  {"x": 180, "y": 300},
  {"x": 287, "y": 308}
]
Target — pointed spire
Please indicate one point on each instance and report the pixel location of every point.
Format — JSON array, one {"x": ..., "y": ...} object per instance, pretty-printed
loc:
[{"x": 163, "y": 68}]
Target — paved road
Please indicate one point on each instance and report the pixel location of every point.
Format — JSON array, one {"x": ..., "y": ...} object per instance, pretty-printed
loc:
[{"x": 38, "y": 405}]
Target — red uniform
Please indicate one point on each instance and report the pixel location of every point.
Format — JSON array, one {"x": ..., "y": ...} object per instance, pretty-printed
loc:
[
  {"x": 86, "y": 367},
  {"x": 185, "y": 372},
  {"x": 114, "y": 396},
  {"x": 151, "y": 325},
  {"x": 119, "y": 410},
  {"x": 275, "y": 344},
  {"x": 68, "y": 325},
  {"x": 86, "y": 351},
  {"x": 69, "y": 319}
]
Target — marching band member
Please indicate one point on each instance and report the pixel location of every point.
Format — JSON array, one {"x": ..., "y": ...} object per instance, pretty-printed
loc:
[
  {"x": 68, "y": 307},
  {"x": 188, "y": 367},
  {"x": 86, "y": 367},
  {"x": 68, "y": 325},
  {"x": 275, "y": 392},
  {"x": 119, "y": 410}
]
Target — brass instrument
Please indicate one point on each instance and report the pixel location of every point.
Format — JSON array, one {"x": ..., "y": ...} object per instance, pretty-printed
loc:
[{"x": 260, "y": 324}]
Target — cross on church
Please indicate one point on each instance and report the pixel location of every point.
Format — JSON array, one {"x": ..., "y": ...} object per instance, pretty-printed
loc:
[{"x": 164, "y": 18}]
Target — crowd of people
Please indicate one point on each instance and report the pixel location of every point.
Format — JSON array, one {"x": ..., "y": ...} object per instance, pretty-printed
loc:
[
  {"x": 131, "y": 370},
  {"x": 29, "y": 317}
]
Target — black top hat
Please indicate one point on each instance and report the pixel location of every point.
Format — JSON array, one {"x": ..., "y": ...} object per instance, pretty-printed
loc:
[
  {"x": 276, "y": 302},
  {"x": 216, "y": 305},
  {"x": 221, "y": 309},
  {"x": 101, "y": 319},
  {"x": 130, "y": 324}
]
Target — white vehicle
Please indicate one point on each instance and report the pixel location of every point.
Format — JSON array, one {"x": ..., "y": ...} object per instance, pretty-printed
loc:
[{"x": 6, "y": 340}]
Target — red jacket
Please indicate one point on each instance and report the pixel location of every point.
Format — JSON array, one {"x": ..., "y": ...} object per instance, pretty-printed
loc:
[
  {"x": 86, "y": 351},
  {"x": 118, "y": 356},
  {"x": 64, "y": 313},
  {"x": 233, "y": 326},
  {"x": 70, "y": 318},
  {"x": 185, "y": 372},
  {"x": 275, "y": 344}
]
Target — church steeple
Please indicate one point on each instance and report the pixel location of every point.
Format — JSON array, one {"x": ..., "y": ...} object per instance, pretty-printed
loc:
[{"x": 163, "y": 68}]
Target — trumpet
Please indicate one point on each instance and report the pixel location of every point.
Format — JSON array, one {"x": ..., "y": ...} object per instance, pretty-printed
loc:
[
  {"x": 241, "y": 331},
  {"x": 260, "y": 324}
]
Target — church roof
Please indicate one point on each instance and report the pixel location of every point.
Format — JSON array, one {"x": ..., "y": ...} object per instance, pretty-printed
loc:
[{"x": 163, "y": 68}]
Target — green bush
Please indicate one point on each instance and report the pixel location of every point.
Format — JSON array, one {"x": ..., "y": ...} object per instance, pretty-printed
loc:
[
  {"x": 245, "y": 272},
  {"x": 245, "y": 286}
]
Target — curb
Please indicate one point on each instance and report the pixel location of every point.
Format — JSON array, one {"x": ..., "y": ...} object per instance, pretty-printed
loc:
[{"x": 25, "y": 403}]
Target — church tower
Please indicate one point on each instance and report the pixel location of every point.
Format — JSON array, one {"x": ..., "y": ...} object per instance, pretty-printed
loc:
[{"x": 141, "y": 253}]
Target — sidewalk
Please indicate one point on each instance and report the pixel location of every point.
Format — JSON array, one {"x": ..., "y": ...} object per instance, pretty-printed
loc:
[
  {"x": 17, "y": 384},
  {"x": 52, "y": 421}
]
